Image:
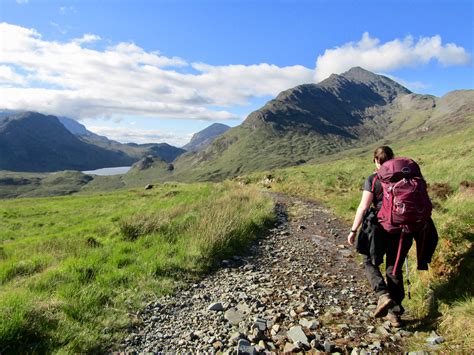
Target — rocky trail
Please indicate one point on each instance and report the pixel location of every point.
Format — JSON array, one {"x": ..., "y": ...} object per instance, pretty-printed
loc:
[{"x": 300, "y": 288}]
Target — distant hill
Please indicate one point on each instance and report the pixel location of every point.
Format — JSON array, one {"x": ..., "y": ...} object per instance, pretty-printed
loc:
[
  {"x": 33, "y": 142},
  {"x": 307, "y": 123},
  {"x": 164, "y": 151},
  {"x": 204, "y": 138},
  {"x": 313, "y": 120}
]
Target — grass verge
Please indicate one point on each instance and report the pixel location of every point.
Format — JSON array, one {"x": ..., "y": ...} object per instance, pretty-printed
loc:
[
  {"x": 443, "y": 297},
  {"x": 74, "y": 269}
]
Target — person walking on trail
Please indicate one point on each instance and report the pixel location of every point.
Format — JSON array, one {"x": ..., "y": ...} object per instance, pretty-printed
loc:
[{"x": 374, "y": 241}]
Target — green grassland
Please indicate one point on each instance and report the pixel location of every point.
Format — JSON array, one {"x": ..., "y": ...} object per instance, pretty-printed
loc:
[
  {"x": 74, "y": 268},
  {"x": 443, "y": 297}
]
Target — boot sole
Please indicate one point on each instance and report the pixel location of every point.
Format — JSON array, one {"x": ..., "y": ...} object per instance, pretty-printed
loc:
[{"x": 382, "y": 311}]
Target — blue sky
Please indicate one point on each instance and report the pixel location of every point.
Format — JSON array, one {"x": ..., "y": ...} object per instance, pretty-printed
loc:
[{"x": 161, "y": 70}]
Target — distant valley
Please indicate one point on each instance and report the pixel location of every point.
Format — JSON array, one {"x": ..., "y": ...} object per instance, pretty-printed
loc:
[
  {"x": 33, "y": 142},
  {"x": 303, "y": 124}
]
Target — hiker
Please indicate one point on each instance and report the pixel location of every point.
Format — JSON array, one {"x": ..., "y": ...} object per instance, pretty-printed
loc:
[{"x": 377, "y": 239}]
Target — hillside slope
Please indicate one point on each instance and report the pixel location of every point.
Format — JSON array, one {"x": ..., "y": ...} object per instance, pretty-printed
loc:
[
  {"x": 314, "y": 120},
  {"x": 33, "y": 142},
  {"x": 30, "y": 141}
]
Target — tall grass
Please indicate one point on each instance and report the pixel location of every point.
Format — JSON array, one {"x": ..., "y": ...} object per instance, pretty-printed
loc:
[
  {"x": 447, "y": 163},
  {"x": 73, "y": 269}
]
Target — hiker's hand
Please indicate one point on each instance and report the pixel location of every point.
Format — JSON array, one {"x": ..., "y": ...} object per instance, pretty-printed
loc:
[{"x": 351, "y": 238}]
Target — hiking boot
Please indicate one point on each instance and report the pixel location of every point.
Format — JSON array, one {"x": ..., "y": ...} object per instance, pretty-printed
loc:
[
  {"x": 394, "y": 320},
  {"x": 382, "y": 305}
]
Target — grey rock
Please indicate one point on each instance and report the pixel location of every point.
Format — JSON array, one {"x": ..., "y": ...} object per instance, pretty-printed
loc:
[
  {"x": 328, "y": 346},
  {"x": 244, "y": 348},
  {"x": 377, "y": 344},
  {"x": 434, "y": 340},
  {"x": 216, "y": 307},
  {"x": 244, "y": 308},
  {"x": 310, "y": 324},
  {"x": 296, "y": 335},
  {"x": 233, "y": 316},
  {"x": 236, "y": 336},
  {"x": 260, "y": 324}
]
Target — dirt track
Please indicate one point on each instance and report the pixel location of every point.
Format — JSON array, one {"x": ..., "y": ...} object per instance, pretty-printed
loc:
[{"x": 299, "y": 288}]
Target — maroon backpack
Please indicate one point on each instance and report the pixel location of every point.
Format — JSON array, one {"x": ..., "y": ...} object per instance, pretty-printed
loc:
[{"x": 406, "y": 205}]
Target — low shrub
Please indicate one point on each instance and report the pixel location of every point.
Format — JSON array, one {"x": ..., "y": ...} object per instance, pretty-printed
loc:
[
  {"x": 440, "y": 190},
  {"x": 134, "y": 226}
]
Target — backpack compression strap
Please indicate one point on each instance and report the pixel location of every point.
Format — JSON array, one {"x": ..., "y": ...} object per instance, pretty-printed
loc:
[{"x": 400, "y": 243}]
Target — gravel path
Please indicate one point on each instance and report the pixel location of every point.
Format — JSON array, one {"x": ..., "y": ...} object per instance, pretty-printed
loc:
[{"x": 298, "y": 289}]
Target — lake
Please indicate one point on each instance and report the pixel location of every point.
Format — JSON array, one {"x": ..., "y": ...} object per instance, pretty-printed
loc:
[{"x": 109, "y": 171}]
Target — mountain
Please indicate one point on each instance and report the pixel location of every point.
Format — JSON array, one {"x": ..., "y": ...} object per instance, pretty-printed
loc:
[
  {"x": 34, "y": 142},
  {"x": 30, "y": 141},
  {"x": 310, "y": 121},
  {"x": 204, "y": 138}
]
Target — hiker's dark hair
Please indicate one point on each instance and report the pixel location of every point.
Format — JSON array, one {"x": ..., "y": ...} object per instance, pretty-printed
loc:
[{"x": 383, "y": 153}]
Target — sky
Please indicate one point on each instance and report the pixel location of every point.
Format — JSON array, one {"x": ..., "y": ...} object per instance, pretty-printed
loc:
[{"x": 159, "y": 71}]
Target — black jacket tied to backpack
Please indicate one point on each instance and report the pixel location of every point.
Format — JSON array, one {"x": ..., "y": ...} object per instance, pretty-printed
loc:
[
  {"x": 372, "y": 238},
  {"x": 426, "y": 241}
]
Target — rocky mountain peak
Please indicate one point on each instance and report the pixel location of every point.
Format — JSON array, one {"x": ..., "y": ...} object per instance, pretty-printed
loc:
[
  {"x": 384, "y": 86},
  {"x": 202, "y": 139},
  {"x": 331, "y": 106}
]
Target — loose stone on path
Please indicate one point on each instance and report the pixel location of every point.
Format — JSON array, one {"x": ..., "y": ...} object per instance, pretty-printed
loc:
[{"x": 294, "y": 291}]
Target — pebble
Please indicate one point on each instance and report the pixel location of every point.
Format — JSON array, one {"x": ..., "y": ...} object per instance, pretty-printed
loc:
[
  {"x": 244, "y": 348},
  {"x": 233, "y": 316},
  {"x": 216, "y": 307},
  {"x": 297, "y": 335},
  {"x": 292, "y": 292},
  {"x": 328, "y": 346},
  {"x": 434, "y": 340}
]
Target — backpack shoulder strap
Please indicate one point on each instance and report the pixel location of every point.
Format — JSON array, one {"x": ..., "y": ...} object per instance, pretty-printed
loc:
[{"x": 374, "y": 180}]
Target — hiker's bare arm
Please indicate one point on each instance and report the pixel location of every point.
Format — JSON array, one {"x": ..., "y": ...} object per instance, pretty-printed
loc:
[{"x": 365, "y": 202}]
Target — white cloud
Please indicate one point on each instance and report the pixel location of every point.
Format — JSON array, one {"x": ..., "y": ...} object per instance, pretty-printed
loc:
[
  {"x": 71, "y": 79},
  {"x": 87, "y": 38},
  {"x": 129, "y": 135},
  {"x": 373, "y": 55},
  {"x": 22, "y": 2},
  {"x": 10, "y": 77}
]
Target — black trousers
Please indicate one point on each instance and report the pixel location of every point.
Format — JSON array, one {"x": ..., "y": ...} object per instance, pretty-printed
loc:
[{"x": 393, "y": 285}]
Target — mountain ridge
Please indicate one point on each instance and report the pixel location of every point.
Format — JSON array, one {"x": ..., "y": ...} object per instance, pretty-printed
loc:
[
  {"x": 45, "y": 143},
  {"x": 311, "y": 120},
  {"x": 30, "y": 141}
]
